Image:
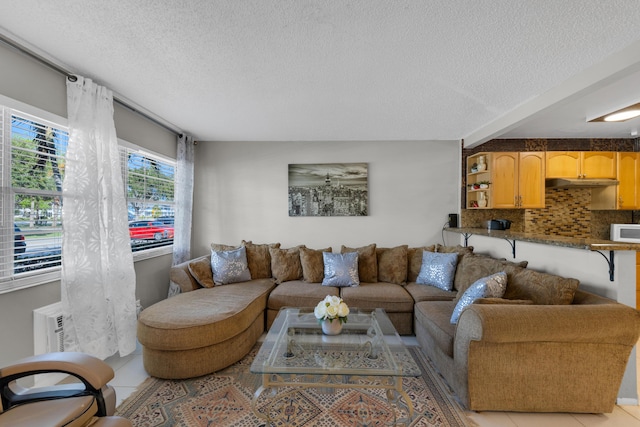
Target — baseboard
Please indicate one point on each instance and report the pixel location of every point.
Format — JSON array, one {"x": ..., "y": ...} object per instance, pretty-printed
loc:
[{"x": 626, "y": 401}]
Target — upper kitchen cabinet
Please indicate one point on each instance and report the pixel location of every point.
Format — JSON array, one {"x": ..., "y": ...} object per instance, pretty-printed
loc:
[
  {"x": 581, "y": 164},
  {"x": 518, "y": 180},
  {"x": 628, "y": 195}
]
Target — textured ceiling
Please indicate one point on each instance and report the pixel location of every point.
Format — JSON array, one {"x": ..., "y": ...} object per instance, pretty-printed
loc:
[{"x": 327, "y": 70}]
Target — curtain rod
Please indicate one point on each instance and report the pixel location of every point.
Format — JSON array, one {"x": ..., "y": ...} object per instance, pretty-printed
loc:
[{"x": 38, "y": 58}]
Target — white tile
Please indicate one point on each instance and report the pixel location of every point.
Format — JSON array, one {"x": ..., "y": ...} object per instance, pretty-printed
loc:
[
  {"x": 491, "y": 419},
  {"x": 633, "y": 410},
  {"x": 131, "y": 374},
  {"x": 122, "y": 393},
  {"x": 618, "y": 418},
  {"x": 544, "y": 419}
]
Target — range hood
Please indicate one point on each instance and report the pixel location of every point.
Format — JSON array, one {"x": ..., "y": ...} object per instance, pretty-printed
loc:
[{"x": 579, "y": 182}]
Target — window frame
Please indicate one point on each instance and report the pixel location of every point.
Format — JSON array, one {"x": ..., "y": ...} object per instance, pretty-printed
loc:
[{"x": 53, "y": 274}]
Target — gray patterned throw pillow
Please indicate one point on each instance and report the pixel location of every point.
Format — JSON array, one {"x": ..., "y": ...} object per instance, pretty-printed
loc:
[
  {"x": 438, "y": 269},
  {"x": 340, "y": 269},
  {"x": 488, "y": 287},
  {"x": 230, "y": 266}
]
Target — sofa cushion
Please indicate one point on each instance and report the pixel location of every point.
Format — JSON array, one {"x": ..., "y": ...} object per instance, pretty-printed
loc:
[
  {"x": 428, "y": 293},
  {"x": 541, "y": 288},
  {"x": 259, "y": 259},
  {"x": 230, "y": 266},
  {"x": 487, "y": 287},
  {"x": 414, "y": 261},
  {"x": 367, "y": 262},
  {"x": 340, "y": 269},
  {"x": 297, "y": 293},
  {"x": 200, "y": 269},
  {"x": 472, "y": 267},
  {"x": 438, "y": 269},
  {"x": 312, "y": 264},
  {"x": 392, "y": 264},
  {"x": 392, "y": 298},
  {"x": 285, "y": 264},
  {"x": 435, "y": 317}
]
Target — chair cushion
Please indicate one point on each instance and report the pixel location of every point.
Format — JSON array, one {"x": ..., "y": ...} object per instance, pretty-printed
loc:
[
  {"x": 285, "y": 264},
  {"x": 541, "y": 288}
]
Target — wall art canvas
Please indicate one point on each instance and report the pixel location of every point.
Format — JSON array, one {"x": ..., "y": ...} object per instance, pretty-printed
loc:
[{"x": 328, "y": 189}]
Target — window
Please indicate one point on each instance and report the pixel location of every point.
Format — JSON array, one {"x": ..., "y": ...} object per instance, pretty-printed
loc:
[
  {"x": 149, "y": 185},
  {"x": 32, "y": 159}
]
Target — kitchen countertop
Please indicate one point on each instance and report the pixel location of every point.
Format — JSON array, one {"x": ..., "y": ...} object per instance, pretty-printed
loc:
[{"x": 568, "y": 242}]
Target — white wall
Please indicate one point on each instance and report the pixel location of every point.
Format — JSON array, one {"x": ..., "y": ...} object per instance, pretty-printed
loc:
[
  {"x": 240, "y": 192},
  {"x": 32, "y": 83}
]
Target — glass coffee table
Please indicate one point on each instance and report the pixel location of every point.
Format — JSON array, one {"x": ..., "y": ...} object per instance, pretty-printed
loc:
[{"x": 368, "y": 353}]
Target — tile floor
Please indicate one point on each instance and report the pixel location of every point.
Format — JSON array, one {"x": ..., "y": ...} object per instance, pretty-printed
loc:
[{"x": 130, "y": 373}]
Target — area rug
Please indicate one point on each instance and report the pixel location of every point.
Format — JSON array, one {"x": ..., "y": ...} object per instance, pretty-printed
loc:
[{"x": 224, "y": 399}]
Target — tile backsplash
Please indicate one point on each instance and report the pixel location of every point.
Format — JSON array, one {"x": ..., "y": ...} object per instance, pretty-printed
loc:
[{"x": 566, "y": 213}]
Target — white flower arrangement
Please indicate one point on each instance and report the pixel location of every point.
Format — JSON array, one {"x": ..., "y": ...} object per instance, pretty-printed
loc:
[{"x": 330, "y": 308}]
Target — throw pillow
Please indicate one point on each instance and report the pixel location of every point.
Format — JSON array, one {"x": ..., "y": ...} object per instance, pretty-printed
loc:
[
  {"x": 414, "y": 261},
  {"x": 488, "y": 287},
  {"x": 541, "y": 288},
  {"x": 201, "y": 270},
  {"x": 340, "y": 269},
  {"x": 459, "y": 249},
  {"x": 259, "y": 259},
  {"x": 392, "y": 264},
  {"x": 230, "y": 266},
  {"x": 438, "y": 269},
  {"x": 285, "y": 264},
  {"x": 222, "y": 247},
  {"x": 312, "y": 264},
  {"x": 472, "y": 267},
  {"x": 367, "y": 262}
]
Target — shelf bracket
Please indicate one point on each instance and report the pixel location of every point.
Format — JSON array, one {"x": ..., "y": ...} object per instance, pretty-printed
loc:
[
  {"x": 466, "y": 238},
  {"x": 513, "y": 247},
  {"x": 610, "y": 262}
]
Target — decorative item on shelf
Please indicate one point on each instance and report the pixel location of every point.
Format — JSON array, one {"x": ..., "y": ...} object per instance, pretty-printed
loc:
[
  {"x": 482, "y": 199},
  {"x": 484, "y": 184},
  {"x": 331, "y": 313},
  {"x": 474, "y": 168},
  {"x": 481, "y": 164}
]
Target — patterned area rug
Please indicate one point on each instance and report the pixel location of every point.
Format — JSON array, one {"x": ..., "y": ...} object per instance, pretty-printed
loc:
[{"x": 225, "y": 399}]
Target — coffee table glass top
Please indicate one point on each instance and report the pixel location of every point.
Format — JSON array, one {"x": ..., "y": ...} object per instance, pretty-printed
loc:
[{"x": 367, "y": 345}]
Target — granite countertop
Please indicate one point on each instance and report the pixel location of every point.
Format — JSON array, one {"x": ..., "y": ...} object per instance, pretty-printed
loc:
[{"x": 564, "y": 241}]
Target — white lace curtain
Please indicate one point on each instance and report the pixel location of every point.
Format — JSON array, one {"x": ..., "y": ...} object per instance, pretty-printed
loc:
[
  {"x": 98, "y": 279},
  {"x": 183, "y": 204}
]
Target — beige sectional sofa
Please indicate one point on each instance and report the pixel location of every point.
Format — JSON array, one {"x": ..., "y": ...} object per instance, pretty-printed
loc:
[{"x": 544, "y": 346}]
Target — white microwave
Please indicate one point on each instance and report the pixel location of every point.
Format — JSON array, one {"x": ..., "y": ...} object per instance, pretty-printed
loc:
[{"x": 625, "y": 233}]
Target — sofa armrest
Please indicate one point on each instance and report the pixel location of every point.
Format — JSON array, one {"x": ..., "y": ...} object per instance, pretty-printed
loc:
[
  {"x": 544, "y": 358},
  {"x": 501, "y": 323}
]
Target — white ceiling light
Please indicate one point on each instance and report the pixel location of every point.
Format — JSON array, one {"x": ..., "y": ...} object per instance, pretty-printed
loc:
[{"x": 620, "y": 115}]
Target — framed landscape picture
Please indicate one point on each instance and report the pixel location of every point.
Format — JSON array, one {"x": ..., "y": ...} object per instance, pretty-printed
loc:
[{"x": 328, "y": 189}]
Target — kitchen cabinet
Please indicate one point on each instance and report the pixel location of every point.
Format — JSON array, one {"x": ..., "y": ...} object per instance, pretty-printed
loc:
[
  {"x": 518, "y": 180},
  {"x": 581, "y": 164},
  {"x": 628, "y": 194},
  {"x": 479, "y": 175},
  {"x": 637, "y": 279}
]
